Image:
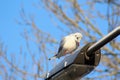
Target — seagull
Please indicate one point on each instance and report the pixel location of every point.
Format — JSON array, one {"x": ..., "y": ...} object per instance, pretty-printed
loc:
[{"x": 68, "y": 45}]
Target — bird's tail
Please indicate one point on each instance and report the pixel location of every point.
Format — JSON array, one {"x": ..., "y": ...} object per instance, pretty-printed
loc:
[{"x": 54, "y": 57}]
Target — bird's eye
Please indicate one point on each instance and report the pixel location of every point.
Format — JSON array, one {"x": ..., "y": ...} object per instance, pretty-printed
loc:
[{"x": 77, "y": 37}]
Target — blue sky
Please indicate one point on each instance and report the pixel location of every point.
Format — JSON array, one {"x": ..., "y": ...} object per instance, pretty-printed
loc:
[
  {"x": 10, "y": 12},
  {"x": 10, "y": 31}
]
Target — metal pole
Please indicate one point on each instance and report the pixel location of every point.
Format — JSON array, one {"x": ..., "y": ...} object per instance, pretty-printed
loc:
[
  {"x": 76, "y": 65},
  {"x": 96, "y": 46}
]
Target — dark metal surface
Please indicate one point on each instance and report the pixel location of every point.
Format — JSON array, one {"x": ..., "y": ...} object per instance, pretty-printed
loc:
[
  {"x": 113, "y": 34},
  {"x": 83, "y": 59},
  {"x": 73, "y": 72},
  {"x": 77, "y": 65},
  {"x": 82, "y": 62},
  {"x": 61, "y": 65}
]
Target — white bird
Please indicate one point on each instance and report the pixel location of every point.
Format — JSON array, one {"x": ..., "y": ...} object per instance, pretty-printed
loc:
[{"x": 68, "y": 45}]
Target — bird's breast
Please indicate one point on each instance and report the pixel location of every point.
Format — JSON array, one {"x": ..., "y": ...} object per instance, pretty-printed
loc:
[{"x": 70, "y": 45}]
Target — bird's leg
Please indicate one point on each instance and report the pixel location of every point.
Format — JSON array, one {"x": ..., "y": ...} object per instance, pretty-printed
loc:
[{"x": 65, "y": 52}]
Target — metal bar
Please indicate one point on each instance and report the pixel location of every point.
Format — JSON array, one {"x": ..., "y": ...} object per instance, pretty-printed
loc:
[
  {"x": 113, "y": 34},
  {"x": 75, "y": 65}
]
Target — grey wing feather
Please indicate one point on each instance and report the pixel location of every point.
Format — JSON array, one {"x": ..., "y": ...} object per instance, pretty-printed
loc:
[
  {"x": 59, "y": 50},
  {"x": 61, "y": 46}
]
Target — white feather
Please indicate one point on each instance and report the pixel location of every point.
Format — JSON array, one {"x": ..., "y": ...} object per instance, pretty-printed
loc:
[{"x": 68, "y": 45}]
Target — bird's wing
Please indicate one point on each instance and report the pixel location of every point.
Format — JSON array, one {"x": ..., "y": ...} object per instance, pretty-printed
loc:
[
  {"x": 61, "y": 45},
  {"x": 60, "y": 50}
]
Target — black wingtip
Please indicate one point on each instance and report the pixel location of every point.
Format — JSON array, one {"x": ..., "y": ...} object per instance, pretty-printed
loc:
[{"x": 54, "y": 57}]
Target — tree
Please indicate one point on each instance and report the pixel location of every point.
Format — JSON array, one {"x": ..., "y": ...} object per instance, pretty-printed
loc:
[{"x": 87, "y": 17}]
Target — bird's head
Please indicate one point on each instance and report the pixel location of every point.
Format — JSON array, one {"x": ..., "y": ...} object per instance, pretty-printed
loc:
[{"x": 78, "y": 36}]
